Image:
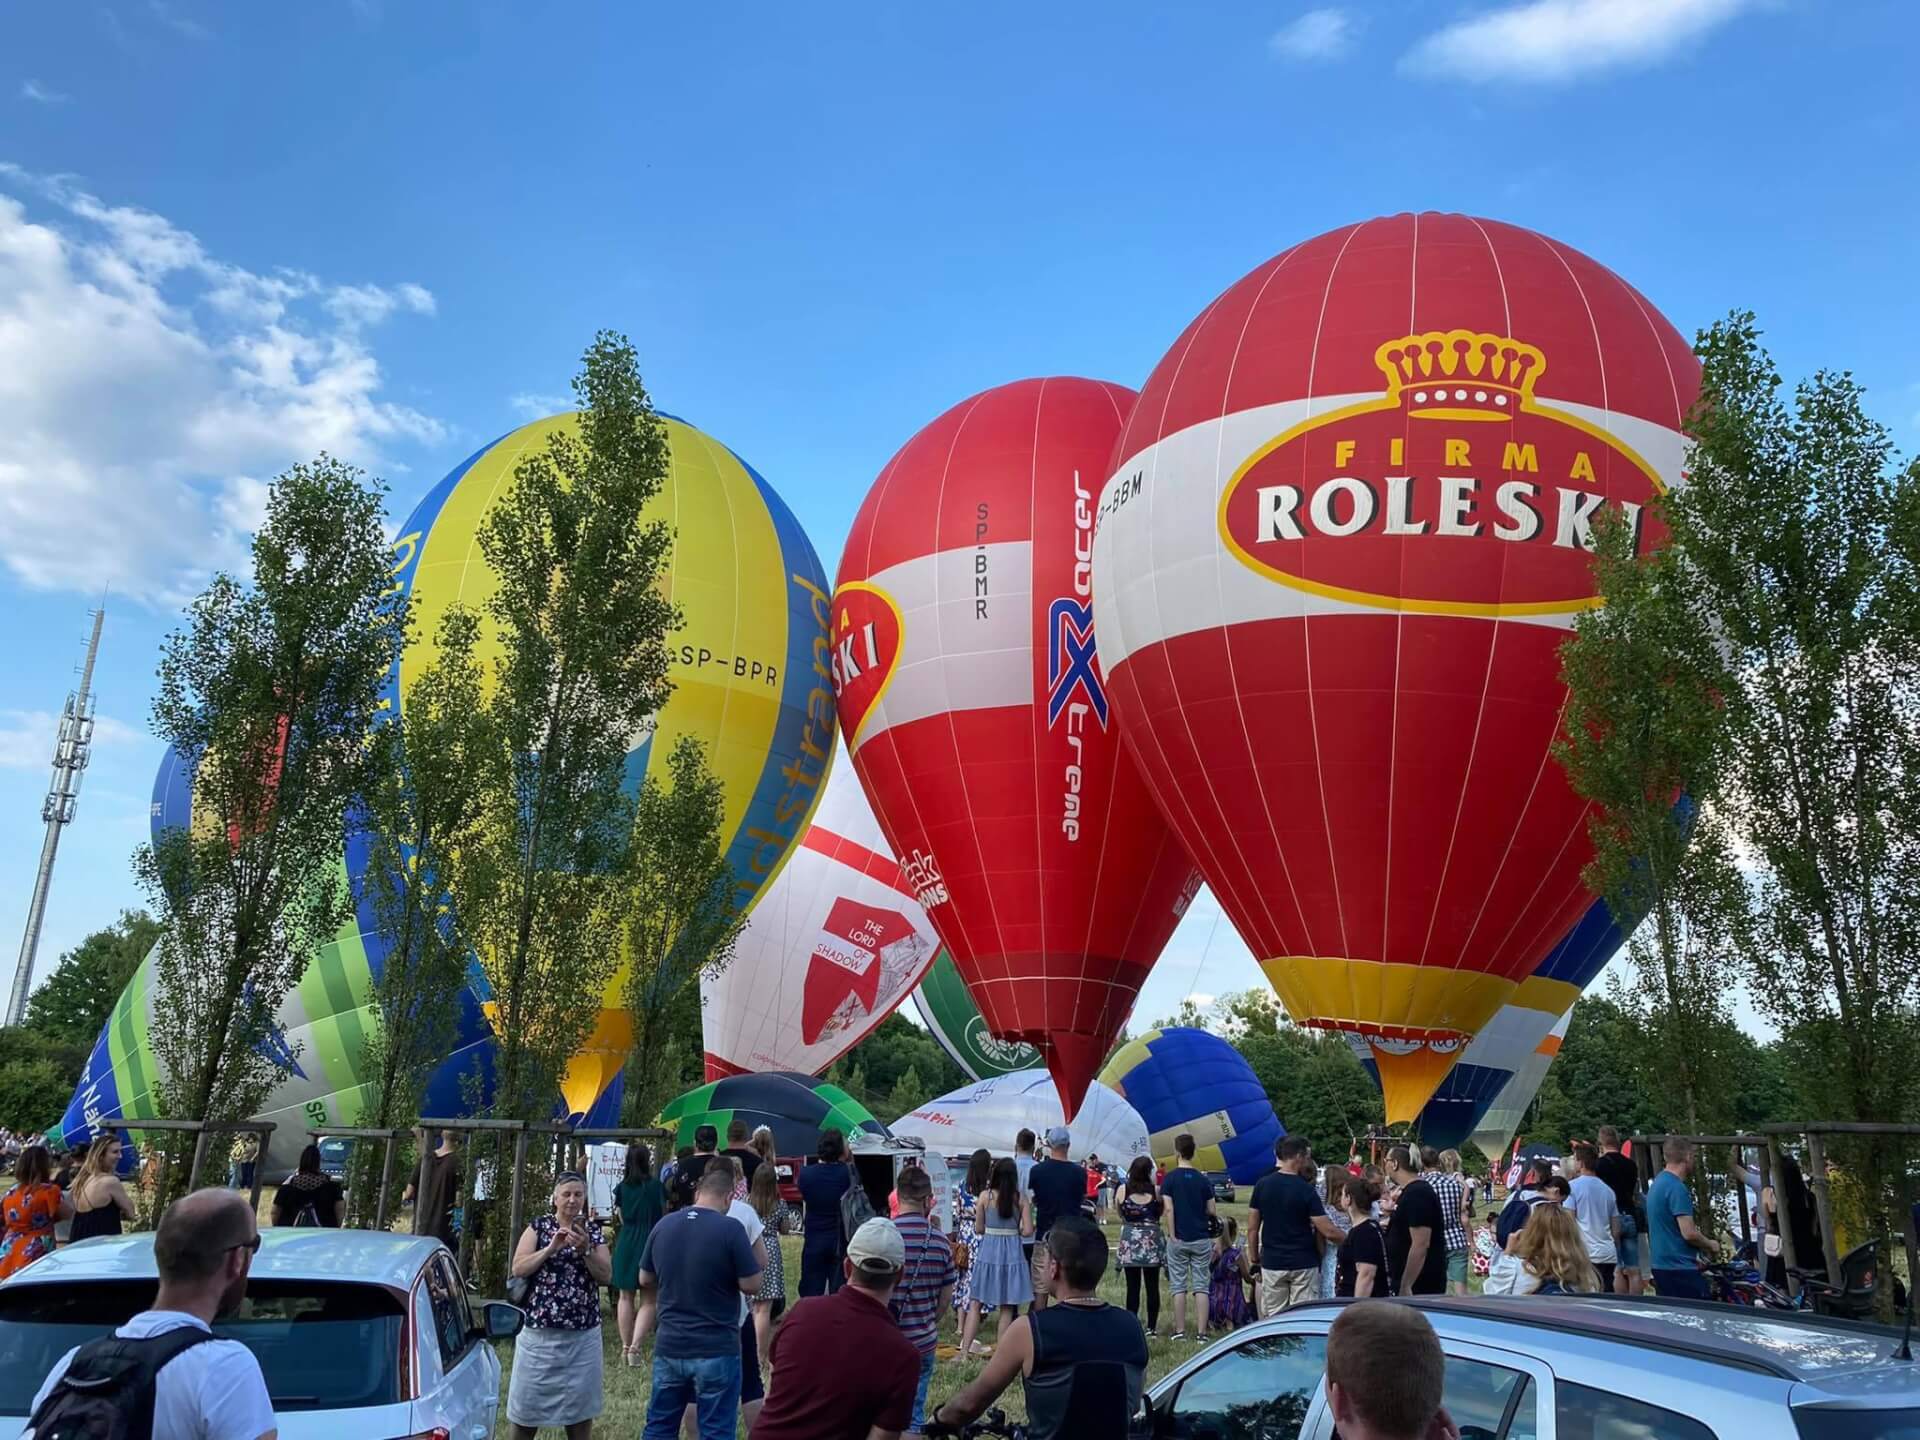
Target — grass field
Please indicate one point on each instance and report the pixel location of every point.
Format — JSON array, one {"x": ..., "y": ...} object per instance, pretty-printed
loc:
[{"x": 626, "y": 1407}]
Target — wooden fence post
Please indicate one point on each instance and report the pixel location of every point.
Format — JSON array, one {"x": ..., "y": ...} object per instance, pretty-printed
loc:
[
  {"x": 516, "y": 1210},
  {"x": 1823, "y": 1201},
  {"x": 381, "y": 1202},
  {"x": 420, "y": 1182}
]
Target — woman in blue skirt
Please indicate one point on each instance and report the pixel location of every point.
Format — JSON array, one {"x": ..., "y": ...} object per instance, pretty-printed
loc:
[{"x": 1002, "y": 1280}]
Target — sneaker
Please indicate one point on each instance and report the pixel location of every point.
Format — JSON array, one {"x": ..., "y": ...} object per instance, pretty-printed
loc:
[
  {"x": 1177, "y": 1337},
  {"x": 1152, "y": 1334}
]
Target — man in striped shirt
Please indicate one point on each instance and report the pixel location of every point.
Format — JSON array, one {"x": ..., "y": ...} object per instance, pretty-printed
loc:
[{"x": 927, "y": 1278}]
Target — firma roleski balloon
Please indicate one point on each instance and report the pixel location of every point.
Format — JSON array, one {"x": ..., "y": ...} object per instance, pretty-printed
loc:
[{"x": 1342, "y": 538}]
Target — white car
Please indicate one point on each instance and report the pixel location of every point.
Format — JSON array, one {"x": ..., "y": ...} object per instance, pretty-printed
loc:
[{"x": 360, "y": 1334}]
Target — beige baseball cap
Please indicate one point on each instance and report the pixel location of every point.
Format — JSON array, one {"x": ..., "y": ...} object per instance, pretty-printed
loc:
[{"x": 877, "y": 1246}]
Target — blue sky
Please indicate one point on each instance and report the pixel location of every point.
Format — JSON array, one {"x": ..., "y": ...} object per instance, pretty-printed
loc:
[{"x": 231, "y": 235}]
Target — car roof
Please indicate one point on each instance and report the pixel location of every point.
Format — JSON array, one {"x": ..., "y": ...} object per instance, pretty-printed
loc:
[
  {"x": 1792, "y": 1346},
  {"x": 294, "y": 1253}
]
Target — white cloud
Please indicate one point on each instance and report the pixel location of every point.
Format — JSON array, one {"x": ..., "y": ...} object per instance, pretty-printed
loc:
[
  {"x": 1545, "y": 41},
  {"x": 40, "y": 95},
  {"x": 1316, "y": 35},
  {"x": 147, "y": 388},
  {"x": 175, "y": 21},
  {"x": 538, "y": 406},
  {"x": 27, "y": 737}
]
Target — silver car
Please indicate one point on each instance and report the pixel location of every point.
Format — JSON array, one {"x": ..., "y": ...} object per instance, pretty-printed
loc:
[
  {"x": 1533, "y": 1368},
  {"x": 360, "y": 1334}
]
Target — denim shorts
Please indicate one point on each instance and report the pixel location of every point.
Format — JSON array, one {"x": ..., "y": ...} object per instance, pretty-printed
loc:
[
  {"x": 1629, "y": 1246},
  {"x": 1189, "y": 1266}
]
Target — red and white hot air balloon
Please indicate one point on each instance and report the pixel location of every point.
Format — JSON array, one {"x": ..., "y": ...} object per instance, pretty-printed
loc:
[
  {"x": 832, "y": 947},
  {"x": 1340, "y": 544},
  {"x": 977, "y": 718}
]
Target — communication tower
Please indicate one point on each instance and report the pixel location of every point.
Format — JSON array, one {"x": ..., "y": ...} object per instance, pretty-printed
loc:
[{"x": 71, "y": 751}]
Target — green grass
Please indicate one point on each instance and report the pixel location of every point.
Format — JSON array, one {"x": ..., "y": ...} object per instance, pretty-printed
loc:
[{"x": 626, "y": 1406}]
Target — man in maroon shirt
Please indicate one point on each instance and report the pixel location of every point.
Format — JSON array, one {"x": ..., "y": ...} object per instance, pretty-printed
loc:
[{"x": 815, "y": 1393}]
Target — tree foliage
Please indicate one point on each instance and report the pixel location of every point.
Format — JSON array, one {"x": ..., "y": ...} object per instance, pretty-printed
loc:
[
  {"x": 73, "y": 1002},
  {"x": 435, "y": 761},
  {"x": 896, "y": 1051},
  {"x": 582, "y": 619},
  {"x": 270, "y": 688},
  {"x": 682, "y": 923},
  {"x": 1317, "y": 1085}
]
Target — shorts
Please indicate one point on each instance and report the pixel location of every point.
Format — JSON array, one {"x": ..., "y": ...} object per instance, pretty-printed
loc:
[
  {"x": 1190, "y": 1266},
  {"x": 1628, "y": 1247},
  {"x": 1457, "y": 1267},
  {"x": 1283, "y": 1289},
  {"x": 751, "y": 1386},
  {"x": 1681, "y": 1285}
]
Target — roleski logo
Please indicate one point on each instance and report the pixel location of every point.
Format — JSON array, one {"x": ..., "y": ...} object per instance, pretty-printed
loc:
[{"x": 867, "y": 634}]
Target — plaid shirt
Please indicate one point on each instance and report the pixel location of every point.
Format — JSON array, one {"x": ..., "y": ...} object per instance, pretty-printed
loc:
[{"x": 1452, "y": 1193}]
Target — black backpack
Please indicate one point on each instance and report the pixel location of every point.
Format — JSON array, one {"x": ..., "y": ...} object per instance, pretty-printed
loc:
[
  {"x": 107, "y": 1392},
  {"x": 856, "y": 1208}
]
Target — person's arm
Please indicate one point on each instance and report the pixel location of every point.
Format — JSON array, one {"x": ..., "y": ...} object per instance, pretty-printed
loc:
[
  {"x": 65, "y": 1212},
  {"x": 1692, "y": 1234},
  {"x": 1253, "y": 1228},
  {"x": 1328, "y": 1231},
  {"x": 750, "y": 1284},
  {"x": 1419, "y": 1241},
  {"x": 118, "y": 1193},
  {"x": 1363, "y": 1274},
  {"x": 876, "y": 1433},
  {"x": 529, "y": 1255},
  {"x": 1010, "y": 1357},
  {"x": 599, "y": 1260}
]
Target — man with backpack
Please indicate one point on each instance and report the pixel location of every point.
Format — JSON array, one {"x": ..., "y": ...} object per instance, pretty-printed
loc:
[{"x": 162, "y": 1373}]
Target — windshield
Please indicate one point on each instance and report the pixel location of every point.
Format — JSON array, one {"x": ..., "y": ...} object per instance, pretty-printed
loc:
[
  {"x": 322, "y": 1345},
  {"x": 1818, "y": 1423}
]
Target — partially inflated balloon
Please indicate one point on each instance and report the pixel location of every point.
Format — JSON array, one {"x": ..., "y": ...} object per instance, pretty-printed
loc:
[
  {"x": 796, "y": 1108},
  {"x": 749, "y": 668},
  {"x": 1186, "y": 1081},
  {"x": 1502, "y": 1118},
  {"x": 1341, "y": 541},
  {"x": 834, "y": 945},
  {"x": 989, "y": 1114},
  {"x": 978, "y": 720}
]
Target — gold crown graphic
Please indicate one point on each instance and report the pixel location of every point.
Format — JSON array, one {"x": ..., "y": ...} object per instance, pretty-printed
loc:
[{"x": 1461, "y": 374}]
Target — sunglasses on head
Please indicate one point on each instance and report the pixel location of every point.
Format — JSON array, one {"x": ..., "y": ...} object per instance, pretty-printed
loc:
[{"x": 252, "y": 1247}]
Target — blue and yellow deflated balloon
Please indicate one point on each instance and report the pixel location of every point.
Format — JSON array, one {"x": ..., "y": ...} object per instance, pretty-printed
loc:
[{"x": 1185, "y": 1080}]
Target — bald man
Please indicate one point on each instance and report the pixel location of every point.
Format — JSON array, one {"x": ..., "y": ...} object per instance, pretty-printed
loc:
[{"x": 203, "y": 1389}]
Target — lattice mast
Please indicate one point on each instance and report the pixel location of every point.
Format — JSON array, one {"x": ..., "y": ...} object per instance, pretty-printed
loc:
[{"x": 71, "y": 752}]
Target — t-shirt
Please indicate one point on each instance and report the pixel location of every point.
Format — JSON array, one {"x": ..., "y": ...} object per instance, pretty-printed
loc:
[
  {"x": 1058, "y": 1187},
  {"x": 749, "y": 1162},
  {"x": 433, "y": 1207},
  {"x": 1287, "y": 1204},
  {"x": 1592, "y": 1202},
  {"x": 1188, "y": 1192},
  {"x": 693, "y": 1167},
  {"x": 214, "y": 1391},
  {"x": 699, "y": 1256},
  {"x": 1622, "y": 1177},
  {"x": 841, "y": 1368},
  {"x": 1667, "y": 1200},
  {"x": 1364, "y": 1245},
  {"x": 1023, "y": 1167},
  {"x": 821, "y": 1186},
  {"x": 323, "y": 1194},
  {"x": 1418, "y": 1206},
  {"x": 929, "y": 1269}
]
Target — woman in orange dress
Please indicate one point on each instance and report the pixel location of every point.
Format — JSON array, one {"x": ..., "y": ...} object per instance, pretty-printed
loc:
[{"x": 30, "y": 1210}]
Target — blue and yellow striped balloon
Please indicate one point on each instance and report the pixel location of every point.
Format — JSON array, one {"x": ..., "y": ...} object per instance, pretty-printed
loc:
[
  {"x": 749, "y": 668},
  {"x": 1182, "y": 1079}
]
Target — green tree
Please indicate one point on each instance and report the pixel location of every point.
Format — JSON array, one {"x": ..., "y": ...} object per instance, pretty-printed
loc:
[
  {"x": 872, "y": 1070},
  {"x": 1598, "y": 1078},
  {"x": 1801, "y": 528},
  {"x": 74, "y": 1000},
  {"x": 273, "y": 687},
  {"x": 33, "y": 1092},
  {"x": 435, "y": 761},
  {"x": 1317, "y": 1085},
  {"x": 682, "y": 924},
  {"x": 907, "y": 1095},
  {"x": 582, "y": 619},
  {"x": 1643, "y": 738}
]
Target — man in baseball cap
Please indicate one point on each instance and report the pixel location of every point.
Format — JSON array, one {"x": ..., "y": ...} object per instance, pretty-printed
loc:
[{"x": 814, "y": 1391}]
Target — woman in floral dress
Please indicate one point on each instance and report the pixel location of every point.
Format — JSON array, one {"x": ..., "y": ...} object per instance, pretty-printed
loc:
[
  {"x": 558, "y": 1363},
  {"x": 31, "y": 1209},
  {"x": 979, "y": 1176},
  {"x": 1143, "y": 1243}
]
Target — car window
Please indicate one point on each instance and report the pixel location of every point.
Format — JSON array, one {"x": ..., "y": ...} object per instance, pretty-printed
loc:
[
  {"x": 450, "y": 1323},
  {"x": 322, "y": 1345},
  {"x": 1583, "y": 1413},
  {"x": 1257, "y": 1391},
  {"x": 1489, "y": 1402}
]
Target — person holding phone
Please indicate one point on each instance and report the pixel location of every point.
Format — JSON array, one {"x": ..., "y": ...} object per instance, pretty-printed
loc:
[{"x": 558, "y": 1367}]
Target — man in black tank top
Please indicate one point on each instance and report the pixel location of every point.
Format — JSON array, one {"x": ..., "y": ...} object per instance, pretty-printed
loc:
[{"x": 1081, "y": 1360}]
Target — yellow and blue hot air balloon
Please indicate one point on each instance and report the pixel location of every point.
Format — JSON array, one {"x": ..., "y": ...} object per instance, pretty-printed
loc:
[
  {"x": 1187, "y": 1080},
  {"x": 750, "y": 667}
]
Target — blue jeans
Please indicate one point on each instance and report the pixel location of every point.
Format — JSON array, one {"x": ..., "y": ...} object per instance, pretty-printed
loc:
[
  {"x": 710, "y": 1383},
  {"x": 1629, "y": 1247},
  {"x": 920, "y": 1395}
]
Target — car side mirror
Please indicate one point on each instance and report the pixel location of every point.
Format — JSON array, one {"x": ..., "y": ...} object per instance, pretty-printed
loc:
[{"x": 500, "y": 1321}]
